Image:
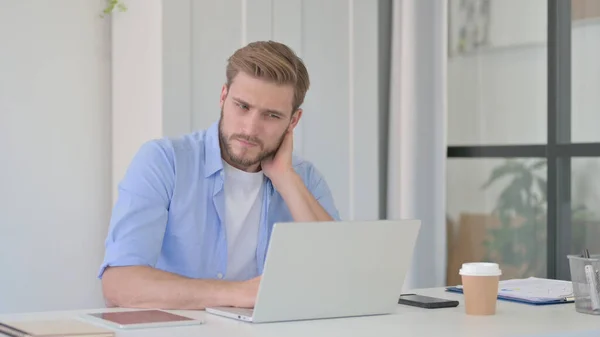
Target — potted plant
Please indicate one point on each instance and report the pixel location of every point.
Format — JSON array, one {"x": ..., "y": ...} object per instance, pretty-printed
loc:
[
  {"x": 519, "y": 242},
  {"x": 520, "y": 239}
]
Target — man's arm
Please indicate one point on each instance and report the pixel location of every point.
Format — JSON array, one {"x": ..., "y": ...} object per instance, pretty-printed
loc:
[
  {"x": 134, "y": 241},
  {"x": 303, "y": 206},
  {"x": 147, "y": 287}
]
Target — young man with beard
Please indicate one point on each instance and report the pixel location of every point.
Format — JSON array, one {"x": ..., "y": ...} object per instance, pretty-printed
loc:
[{"x": 192, "y": 221}]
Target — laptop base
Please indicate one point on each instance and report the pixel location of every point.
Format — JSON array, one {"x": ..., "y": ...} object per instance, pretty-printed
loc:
[{"x": 241, "y": 314}]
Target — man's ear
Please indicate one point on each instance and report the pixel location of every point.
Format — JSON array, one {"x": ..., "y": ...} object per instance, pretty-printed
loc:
[
  {"x": 296, "y": 115},
  {"x": 224, "y": 92}
]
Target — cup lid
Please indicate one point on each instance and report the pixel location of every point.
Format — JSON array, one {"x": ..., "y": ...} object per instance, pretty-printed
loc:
[{"x": 480, "y": 269}]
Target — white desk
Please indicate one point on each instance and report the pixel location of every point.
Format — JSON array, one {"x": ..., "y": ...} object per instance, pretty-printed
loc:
[{"x": 512, "y": 319}]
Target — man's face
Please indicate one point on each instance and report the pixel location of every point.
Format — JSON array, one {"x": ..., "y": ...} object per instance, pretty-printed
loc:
[{"x": 255, "y": 115}]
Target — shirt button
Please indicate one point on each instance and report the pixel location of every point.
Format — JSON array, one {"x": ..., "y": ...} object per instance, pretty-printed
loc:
[{"x": 219, "y": 275}]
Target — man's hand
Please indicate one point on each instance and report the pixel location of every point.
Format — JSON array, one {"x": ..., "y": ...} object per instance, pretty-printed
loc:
[
  {"x": 246, "y": 293},
  {"x": 300, "y": 201},
  {"x": 278, "y": 167}
]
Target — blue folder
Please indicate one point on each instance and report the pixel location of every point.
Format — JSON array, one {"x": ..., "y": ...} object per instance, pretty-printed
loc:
[{"x": 520, "y": 300}]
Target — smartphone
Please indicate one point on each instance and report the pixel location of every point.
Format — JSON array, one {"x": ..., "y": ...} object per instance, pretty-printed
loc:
[{"x": 426, "y": 301}]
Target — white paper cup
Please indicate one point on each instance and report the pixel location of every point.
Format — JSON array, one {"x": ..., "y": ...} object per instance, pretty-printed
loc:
[{"x": 480, "y": 286}]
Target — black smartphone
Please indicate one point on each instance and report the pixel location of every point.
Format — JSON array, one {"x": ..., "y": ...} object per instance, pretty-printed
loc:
[{"x": 426, "y": 301}]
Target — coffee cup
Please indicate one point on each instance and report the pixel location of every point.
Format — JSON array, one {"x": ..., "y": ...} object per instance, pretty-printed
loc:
[{"x": 480, "y": 282}]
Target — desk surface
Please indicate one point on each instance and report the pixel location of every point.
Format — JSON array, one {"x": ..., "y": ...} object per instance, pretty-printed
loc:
[{"x": 512, "y": 319}]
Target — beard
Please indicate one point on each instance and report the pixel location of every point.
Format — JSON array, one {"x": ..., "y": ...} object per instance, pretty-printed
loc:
[{"x": 244, "y": 160}]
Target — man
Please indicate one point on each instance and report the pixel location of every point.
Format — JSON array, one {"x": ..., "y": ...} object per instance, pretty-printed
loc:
[{"x": 192, "y": 221}]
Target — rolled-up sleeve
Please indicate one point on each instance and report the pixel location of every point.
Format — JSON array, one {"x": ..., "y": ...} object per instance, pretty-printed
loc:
[
  {"x": 320, "y": 190},
  {"x": 139, "y": 217}
]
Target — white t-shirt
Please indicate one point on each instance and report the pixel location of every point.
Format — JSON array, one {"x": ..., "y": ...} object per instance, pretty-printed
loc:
[{"x": 243, "y": 204}]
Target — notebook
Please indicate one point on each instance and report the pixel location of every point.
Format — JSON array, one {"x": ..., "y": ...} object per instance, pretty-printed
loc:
[
  {"x": 532, "y": 290},
  {"x": 52, "y": 328},
  {"x": 138, "y": 319}
]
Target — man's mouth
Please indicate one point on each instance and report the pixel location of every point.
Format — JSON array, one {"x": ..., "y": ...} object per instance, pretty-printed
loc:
[{"x": 246, "y": 142}]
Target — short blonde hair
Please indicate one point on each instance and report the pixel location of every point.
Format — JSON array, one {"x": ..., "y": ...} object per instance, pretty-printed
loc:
[{"x": 271, "y": 61}]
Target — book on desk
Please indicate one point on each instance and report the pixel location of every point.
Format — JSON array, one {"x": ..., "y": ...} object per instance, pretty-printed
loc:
[
  {"x": 532, "y": 290},
  {"x": 44, "y": 328}
]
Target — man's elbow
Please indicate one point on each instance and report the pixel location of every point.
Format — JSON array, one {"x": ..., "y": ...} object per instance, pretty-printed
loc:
[
  {"x": 121, "y": 288},
  {"x": 109, "y": 289},
  {"x": 114, "y": 289}
]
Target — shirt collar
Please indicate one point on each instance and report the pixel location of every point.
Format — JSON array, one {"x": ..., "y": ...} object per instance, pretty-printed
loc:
[{"x": 212, "y": 151}]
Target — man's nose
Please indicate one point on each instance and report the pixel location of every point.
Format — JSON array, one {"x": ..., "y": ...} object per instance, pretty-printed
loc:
[{"x": 252, "y": 123}]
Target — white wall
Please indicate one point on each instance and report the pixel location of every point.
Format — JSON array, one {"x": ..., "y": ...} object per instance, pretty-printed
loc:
[
  {"x": 337, "y": 39},
  {"x": 137, "y": 90},
  {"x": 55, "y": 136}
]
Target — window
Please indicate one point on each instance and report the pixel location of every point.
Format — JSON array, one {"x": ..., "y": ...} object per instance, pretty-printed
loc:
[{"x": 524, "y": 143}]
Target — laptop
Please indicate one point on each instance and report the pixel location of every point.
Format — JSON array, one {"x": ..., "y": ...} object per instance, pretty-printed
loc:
[{"x": 334, "y": 269}]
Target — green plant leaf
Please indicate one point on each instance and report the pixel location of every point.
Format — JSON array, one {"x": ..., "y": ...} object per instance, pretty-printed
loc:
[
  {"x": 111, "y": 5},
  {"x": 505, "y": 218},
  {"x": 511, "y": 198},
  {"x": 500, "y": 171},
  {"x": 538, "y": 164},
  {"x": 543, "y": 186},
  {"x": 525, "y": 180}
]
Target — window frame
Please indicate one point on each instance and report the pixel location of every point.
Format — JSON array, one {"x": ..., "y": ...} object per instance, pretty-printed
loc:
[{"x": 558, "y": 151}]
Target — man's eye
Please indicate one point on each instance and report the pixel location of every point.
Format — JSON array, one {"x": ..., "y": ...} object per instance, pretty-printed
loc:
[
  {"x": 243, "y": 106},
  {"x": 274, "y": 116}
]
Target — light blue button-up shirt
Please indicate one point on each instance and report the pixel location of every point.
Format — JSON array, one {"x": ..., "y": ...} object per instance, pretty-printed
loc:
[{"x": 170, "y": 208}]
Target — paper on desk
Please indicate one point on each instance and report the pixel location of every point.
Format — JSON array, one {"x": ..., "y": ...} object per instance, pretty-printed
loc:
[{"x": 536, "y": 289}]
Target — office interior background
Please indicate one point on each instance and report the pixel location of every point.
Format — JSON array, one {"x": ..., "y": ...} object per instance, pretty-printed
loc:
[{"x": 479, "y": 117}]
